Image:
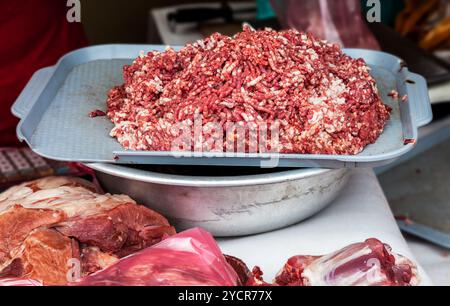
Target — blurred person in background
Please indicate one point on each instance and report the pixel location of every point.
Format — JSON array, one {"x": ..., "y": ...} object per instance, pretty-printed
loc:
[{"x": 34, "y": 34}]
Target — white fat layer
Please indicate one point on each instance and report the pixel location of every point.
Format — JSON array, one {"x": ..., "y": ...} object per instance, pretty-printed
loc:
[
  {"x": 322, "y": 271},
  {"x": 52, "y": 194}
]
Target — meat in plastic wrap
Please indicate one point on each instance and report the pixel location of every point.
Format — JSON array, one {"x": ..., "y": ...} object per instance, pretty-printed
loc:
[
  {"x": 338, "y": 21},
  {"x": 191, "y": 258},
  {"x": 19, "y": 282}
]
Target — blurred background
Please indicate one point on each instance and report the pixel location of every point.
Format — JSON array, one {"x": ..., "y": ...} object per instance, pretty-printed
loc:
[
  {"x": 110, "y": 21},
  {"x": 418, "y": 31}
]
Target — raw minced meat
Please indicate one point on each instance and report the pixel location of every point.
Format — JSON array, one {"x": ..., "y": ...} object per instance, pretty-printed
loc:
[{"x": 321, "y": 100}]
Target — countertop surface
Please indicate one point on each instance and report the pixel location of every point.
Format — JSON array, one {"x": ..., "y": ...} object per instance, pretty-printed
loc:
[
  {"x": 434, "y": 260},
  {"x": 360, "y": 212}
]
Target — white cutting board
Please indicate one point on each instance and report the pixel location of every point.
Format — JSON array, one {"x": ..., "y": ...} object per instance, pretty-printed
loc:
[{"x": 361, "y": 212}]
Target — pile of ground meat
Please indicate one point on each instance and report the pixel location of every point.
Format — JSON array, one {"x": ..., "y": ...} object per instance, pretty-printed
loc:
[{"x": 320, "y": 100}]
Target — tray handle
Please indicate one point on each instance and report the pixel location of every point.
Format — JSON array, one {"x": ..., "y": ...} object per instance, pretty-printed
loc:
[
  {"x": 419, "y": 99},
  {"x": 31, "y": 92}
]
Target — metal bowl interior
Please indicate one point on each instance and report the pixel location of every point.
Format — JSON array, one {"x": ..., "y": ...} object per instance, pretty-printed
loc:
[{"x": 199, "y": 176}]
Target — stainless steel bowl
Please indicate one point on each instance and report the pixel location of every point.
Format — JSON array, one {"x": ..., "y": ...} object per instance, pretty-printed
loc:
[{"x": 227, "y": 205}]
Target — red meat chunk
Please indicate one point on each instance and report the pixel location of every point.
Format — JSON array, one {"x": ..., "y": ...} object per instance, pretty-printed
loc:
[{"x": 370, "y": 263}]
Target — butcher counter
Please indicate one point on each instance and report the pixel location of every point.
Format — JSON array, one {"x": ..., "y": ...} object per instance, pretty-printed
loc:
[{"x": 361, "y": 211}]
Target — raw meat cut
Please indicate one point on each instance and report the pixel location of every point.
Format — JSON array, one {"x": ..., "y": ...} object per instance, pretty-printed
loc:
[
  {"x": 240, "y": 268},
  {"x": 256, "y": 278},
  {"x": 191, "y": 258},
  {"x": 16, "y": 223},
  {"x": 228, "y": 94},
  {"x": 370, "y": 263},
  {"x": 47, "y": 222},
  {"x": 45, "y": 255},
  {"x": 120, "y": 230},
  {"x": 92, "y": 260}
]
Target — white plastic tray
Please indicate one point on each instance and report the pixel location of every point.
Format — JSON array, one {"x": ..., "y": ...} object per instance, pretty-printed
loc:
[{"x": 54, "y": 110}]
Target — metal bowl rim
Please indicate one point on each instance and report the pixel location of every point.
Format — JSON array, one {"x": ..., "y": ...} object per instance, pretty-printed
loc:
[{"x": 205, "y": 181}]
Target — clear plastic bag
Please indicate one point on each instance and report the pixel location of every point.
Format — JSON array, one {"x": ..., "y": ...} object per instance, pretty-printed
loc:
[
  {"x": 338, "y": 21},
  {"x": 191, "y": 258}
]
